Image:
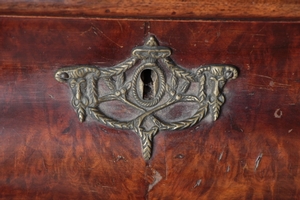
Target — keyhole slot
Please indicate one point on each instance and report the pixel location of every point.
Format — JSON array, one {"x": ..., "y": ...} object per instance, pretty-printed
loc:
[
  {"x": 147, "y": 80},
  {"x": 148, "y": 84}
]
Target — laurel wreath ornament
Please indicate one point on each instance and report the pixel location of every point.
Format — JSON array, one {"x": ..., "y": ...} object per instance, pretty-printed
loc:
[{"x": 130, "y": 89}]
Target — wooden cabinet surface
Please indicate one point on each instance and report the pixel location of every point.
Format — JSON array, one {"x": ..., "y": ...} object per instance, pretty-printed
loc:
[{"x": 250, "y": 152}]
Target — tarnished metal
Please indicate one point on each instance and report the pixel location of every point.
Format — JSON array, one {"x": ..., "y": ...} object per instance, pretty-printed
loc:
[{"x": 156, "y": 84}]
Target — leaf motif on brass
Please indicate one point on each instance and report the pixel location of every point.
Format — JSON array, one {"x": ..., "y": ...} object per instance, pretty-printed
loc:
[{"x": 149, "y": 82}]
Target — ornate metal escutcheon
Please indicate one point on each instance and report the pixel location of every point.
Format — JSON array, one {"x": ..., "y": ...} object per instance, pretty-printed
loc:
[{"x": 146, "y": 86}]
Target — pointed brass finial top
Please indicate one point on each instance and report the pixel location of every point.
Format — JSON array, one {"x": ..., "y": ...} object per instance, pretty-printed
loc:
[
  {"x": 151, "y": 42},
  {"x": 151, "y": 51}
]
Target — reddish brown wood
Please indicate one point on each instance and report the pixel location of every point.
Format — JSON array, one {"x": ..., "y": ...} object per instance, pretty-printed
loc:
[
  {"x": 46, "y": 153},
  {"x": 171, "y": 9}
]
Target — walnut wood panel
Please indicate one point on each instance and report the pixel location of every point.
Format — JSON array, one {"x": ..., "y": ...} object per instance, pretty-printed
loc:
[
  {"x": 250, "y": 152},
  {"x": 174, "y": 9}
]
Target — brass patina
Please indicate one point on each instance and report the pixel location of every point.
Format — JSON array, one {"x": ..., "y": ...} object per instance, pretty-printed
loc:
[{"x": 156, "y": 83}]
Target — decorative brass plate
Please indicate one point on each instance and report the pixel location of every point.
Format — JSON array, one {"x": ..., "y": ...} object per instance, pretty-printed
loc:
[{"x": 156, "y": 85}]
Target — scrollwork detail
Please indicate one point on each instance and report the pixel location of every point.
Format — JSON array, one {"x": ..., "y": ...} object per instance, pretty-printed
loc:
[{"x": 128, "y": 89}]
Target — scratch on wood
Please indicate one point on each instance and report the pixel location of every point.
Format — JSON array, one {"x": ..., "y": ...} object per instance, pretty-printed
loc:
[
  {"x": 271, "y": 83},
  {"x": 278, "y": 113},
  {"x": 221, "y": 155},
  {"x": 98, "y": 30},
  {"x": 261, "y": 87},
  {"x": 120, "y": 158},
  {"x": 44, "y": 165},
  {"x": 261, "y": 28},
  {"x": 263, "y": 76},
  {"x": 120, "y": 26},
  {"x": 258, "y": 35},
  {"x": 51, "y": 96},
  {"x": 228, "y": 169},
  {"x": 110, "y": 39},
  {"x": 179, "y": 156},
  {"x": 106, "y": 186},
  {"x": 157, "y": 177},
  {"x": 198, "y": 183},
  {"x": 84, "y": 32},
  {"x": 257, "y": 161},
  {"x": 276, "y": 84}
]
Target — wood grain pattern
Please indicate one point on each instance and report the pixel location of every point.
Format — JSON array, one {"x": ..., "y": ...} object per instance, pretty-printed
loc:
[
  {"x": 250, "y": 152},
  {"x": 172, "y": 9}
]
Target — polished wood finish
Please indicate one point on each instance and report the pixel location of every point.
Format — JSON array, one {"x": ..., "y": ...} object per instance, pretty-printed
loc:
[
  {"x": 171, "y": 9},
  {"x": 250, "y": 152}
]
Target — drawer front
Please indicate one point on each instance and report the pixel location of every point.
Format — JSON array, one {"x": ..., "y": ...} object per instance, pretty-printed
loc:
[{"x": 250, "y": 152}]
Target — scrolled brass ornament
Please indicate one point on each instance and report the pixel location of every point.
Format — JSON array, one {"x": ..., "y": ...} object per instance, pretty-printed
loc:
[{"x": 156, "y": 84}]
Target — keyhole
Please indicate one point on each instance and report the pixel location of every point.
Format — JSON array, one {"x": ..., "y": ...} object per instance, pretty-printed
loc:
[{"x": 146, "y": 77}]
